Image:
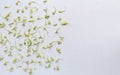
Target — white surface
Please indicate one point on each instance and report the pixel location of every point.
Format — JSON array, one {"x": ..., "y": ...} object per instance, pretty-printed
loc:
[{"x": 91, "y": 45}]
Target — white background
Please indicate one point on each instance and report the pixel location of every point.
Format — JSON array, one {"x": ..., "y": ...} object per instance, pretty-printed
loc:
[{"x": 92, "y": 39}]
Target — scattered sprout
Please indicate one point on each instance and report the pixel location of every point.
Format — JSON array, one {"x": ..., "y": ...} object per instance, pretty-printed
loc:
[
  {"x": 54, "y": 12},
  {"x": 1, "y": 58},
  {"x": 64, "y": 23},
  {"x": 59, "y": 19},
  {"x": 47, "y": 16},
  {"x": 45, "y": 1},
  {"x": 61, "y": 11},
  {"x": 17, "y": 2},
  {"x": 48, "y": 66},
  {"x": 56, "y": 68},
  {"x": 7, "y": 16},
  {"x": 15, "y": 60},
  {"x": 6, "y": 7},
  {"x": 59, "y": 42},
  {"x": 2, "y": 25},
  {"x": 5, "y": 63},
  {"x": 11, "y": 69},
  {"x": 30, "y": 72},
  {"x": 58, "y": 50}
]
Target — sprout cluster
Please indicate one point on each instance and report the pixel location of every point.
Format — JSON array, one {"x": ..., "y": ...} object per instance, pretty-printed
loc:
[{"x": 30, "y": 36}]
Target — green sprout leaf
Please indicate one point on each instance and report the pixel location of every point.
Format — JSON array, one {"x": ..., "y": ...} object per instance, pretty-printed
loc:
[
  {"x": 2, "y": 25},
  {"x": 1, "y": 58},
  {"x": 7, "y": 16},
  {"x": 11, "y": 69},
  {"x": 29, "y": 42},
  {"x": 45, "y": 1},
  {"x": 17, "y": 3},
  {"x": 61, "y": 11},
  {"x": 58, "y": 50},
  {"x": 6, "y": 7},
  {"x": 56, "y": 68},
  {"x": 47, "y": 16},
  {"x": 15, "y": 60},
  {"x": 30, "y": 72},
  {"x": 64, "y": 23}
]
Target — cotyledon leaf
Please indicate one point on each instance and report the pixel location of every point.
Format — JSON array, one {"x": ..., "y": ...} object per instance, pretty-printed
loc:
[
  {"x": 2, "y": 25},
  {"x": 64, "y": 23},
  {"x": 7, "y": 16},
  {"x": 17, "y": 2}
]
